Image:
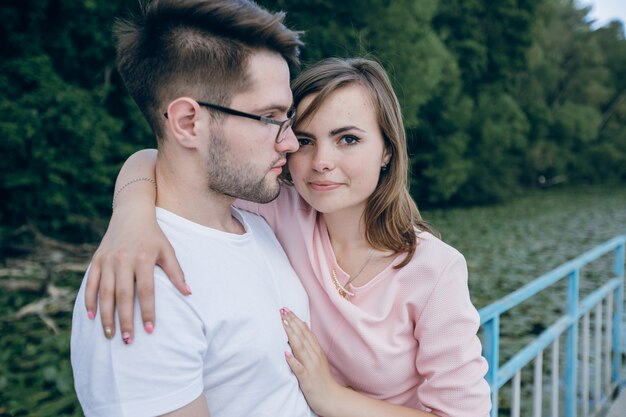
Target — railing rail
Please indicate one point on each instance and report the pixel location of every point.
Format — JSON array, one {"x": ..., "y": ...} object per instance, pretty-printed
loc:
[{"x": 610, "y": 294}]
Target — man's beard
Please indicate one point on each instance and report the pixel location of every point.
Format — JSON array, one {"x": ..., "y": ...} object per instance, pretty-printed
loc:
[{"x": 233, "y": 177}]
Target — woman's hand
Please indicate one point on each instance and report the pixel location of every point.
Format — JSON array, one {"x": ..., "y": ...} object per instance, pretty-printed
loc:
[
  {"x": 131, "y": 247},
  {"x": 324, "y": 395},
  {"x": 310, "y": 365}
]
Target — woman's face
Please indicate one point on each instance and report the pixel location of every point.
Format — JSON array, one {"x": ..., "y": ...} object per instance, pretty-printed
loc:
[{"x": 341, "y": 152}]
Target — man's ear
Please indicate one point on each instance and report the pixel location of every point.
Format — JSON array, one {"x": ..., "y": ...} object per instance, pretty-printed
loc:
[{"x": 183, "y": 118}]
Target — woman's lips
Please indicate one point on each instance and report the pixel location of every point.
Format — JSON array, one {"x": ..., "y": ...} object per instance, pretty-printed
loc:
[{"x": 324, "y": 185}]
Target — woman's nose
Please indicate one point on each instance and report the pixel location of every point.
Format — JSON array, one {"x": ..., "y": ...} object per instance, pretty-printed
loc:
[{"x": 323, "y": 158}]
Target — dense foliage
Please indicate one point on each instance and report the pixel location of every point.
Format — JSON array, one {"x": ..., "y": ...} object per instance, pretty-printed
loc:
[
  {"x": 497, "y": 96},
  {"x": 65, "y": 120}
]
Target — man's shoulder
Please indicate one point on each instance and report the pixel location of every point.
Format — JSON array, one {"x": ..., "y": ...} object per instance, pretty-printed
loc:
[{"x": 114, "y": 379}]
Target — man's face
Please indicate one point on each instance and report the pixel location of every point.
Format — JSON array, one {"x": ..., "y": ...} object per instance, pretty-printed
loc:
[{"x": 244, "y": 160}]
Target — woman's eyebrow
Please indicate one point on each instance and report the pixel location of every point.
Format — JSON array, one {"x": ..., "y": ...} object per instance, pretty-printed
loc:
[
  {"x": 303, "y": 133},
  {"x": 344, "y": 129},
  {"x": 333, "y": 132}
]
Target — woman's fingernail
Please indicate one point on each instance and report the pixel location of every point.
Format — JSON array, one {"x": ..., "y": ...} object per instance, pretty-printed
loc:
[
  {"x": 283, "y": 311},
  {"x": 149, "y": 327},
  {"x": 126, "y": 338},
  {"x": 287, "y": 355},
  {"x": 91, "y": 315},
  {"x": 108, "y": 333},
  {"x": 188, "y": 288}
]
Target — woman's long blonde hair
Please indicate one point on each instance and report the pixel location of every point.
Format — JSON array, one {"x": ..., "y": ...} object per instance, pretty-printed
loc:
[{"x": 391, "y": 216}]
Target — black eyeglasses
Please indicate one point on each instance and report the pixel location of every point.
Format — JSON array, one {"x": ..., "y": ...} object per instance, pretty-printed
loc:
[{"x": 283, "y": 124}]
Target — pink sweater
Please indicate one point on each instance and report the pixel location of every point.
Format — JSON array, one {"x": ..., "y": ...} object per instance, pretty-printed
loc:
[{"x": 408, "y": 336}]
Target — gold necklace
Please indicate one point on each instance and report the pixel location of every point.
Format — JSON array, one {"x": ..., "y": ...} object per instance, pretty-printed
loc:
[{"x": 341, "y": 289}]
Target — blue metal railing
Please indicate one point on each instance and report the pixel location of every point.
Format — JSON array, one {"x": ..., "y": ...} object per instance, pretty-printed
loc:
[{"x": 612, "y": 292}]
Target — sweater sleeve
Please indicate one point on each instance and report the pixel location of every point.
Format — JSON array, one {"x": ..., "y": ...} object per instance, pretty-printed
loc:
[
  {"x": 281, "y": 210},
  {"x": 449, "y": 355}
]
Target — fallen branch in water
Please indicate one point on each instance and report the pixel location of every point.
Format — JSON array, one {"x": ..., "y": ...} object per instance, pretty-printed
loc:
[
  {"x": 58, "y": 299},
  {"x": 21, "y": 284},
  {"x": 42, "y": 260}
]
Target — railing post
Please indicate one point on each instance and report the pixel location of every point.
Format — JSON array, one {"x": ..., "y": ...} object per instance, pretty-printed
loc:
[
  {"x": 571, "y": 354},
  {"x": 618, "y": 266},
  {"x": 618, "y": 296},
  {"x": 491, "y": 349}
]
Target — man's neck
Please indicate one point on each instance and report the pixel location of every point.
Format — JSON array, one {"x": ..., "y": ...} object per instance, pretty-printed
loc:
[{"x": 188, "y": 196}]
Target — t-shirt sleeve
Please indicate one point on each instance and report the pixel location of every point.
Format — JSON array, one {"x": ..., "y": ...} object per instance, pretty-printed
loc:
[
  {"x": 155, "y": 374},
  {"x": 449, "y": 354}
]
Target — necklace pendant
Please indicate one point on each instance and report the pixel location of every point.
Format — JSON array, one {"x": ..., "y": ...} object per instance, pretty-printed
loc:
[{"x": 343, "y": 291}]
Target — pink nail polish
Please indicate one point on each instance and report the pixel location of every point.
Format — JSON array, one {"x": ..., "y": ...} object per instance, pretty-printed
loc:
[
  {"x": 126, "y": 338},
  {"x": 283, "y": 311},
  {"x": 188, "y": 288},
  {"x": 91, "y": 315},
  {"x": 287, "y": 355},
  {"x": 149, "y": 327}
]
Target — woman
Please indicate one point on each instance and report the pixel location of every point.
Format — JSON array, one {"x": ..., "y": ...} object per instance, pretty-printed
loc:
[{"x": 390, "y": 306}]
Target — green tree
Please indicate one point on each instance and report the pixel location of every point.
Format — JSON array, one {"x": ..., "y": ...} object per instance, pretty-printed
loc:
[
  {"x": 499, "y": 134},
  {"x": 398, "y": 34},
  {"x": 65, "y": 119},
  {"x": 569, "y": 92},
  {"x": 494, "y": 94},
  {"x": 490, "y": 41}
]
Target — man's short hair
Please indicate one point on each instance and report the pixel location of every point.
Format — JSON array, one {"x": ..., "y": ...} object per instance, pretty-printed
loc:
[{"x": 195, "y": 48}]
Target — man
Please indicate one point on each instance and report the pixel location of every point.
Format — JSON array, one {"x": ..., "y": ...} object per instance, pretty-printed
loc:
[{"x": 212, "y": 80}]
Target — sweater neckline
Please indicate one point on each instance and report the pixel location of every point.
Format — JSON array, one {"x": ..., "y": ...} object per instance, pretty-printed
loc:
[{"x": 328, "y": 248}]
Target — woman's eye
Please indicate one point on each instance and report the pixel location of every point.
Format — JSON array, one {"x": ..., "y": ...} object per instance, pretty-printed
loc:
[
  {"x": 349, "y": 140},
  {"x": 304, "y": 141}
]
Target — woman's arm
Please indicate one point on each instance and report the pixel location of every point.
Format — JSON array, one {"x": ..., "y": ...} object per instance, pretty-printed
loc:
[
  {"x": 132, "y": 246},
  {"x": 324, "y": 395},
  {"x": 449, "y": 356}
]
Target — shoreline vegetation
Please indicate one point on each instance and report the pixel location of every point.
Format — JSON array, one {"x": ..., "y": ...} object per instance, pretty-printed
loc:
[{"x": 506, "y": 245}]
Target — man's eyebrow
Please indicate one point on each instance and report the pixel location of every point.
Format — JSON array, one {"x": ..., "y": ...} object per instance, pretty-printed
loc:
[{"x": 280, "y": 107}]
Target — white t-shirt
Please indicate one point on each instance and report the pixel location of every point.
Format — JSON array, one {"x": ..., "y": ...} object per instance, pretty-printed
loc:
[{"x": 226, "y": 339}]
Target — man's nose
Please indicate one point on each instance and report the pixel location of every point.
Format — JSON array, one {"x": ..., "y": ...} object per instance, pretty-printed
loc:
[{"x": 289, "y": 142}]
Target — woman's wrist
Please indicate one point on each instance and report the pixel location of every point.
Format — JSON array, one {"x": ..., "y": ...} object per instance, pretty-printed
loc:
[
  {"x": 138, "y": 208},
  {"x": 334, "y": 403},
  {"x": 138, "y": 184}
]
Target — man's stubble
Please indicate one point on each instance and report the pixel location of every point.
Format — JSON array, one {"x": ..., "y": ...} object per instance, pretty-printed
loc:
[{"x": 235, "y": 177}]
